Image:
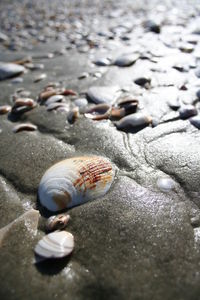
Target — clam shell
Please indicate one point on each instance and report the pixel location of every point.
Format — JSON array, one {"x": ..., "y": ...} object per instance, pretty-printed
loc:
[
  {"x": 55, "y": 245},
  {"x": 75, "y": 181},
  {"x": 133, "y": 121},
  {"x": 57, "y": 222}
]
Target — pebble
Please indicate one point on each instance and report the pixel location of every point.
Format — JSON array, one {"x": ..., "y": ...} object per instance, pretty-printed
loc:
[
  {"x": 126, "y": 60},
  {"x": 195, "y": 221},
  {"x": 187, "y": 111},
  {"x": 8, "y": 70}
]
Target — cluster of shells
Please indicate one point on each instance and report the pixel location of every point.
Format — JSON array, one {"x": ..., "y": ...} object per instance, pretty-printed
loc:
[{"x": 66, "y": 184}]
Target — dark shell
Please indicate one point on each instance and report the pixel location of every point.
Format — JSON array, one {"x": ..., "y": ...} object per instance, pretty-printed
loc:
[{"x": 187, "y": 111}]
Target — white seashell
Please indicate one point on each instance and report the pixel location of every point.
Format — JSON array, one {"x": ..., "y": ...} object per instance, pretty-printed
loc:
[
  {"x": 75, "y": 181},
  {"x": 57, "y": 222},
  {"x": 53, "y": 99},
  {"x": 165, "y": 184},
  {"x": 24, "y": 127},
  {"x": 55, "y": 245}
]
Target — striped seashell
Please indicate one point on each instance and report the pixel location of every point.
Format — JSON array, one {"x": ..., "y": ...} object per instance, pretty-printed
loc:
[
  {"x": 57, "y": 222},
  {"x": 55, "y": 245},
  {"x": 75, "y": 181}
]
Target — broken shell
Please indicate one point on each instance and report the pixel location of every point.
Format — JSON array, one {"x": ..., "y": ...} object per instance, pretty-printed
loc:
[
  {"x": 4, "y": 109},
  {"x": 24, "y": 126},
  {"x": 75, "y": 181},
  {"x": 133, "y": 120},
  {"x": 57, "y": 222},
  {"x": 55, "y": 245}
]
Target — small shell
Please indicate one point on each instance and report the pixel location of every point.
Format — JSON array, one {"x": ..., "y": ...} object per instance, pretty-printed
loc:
[
  {"x": 75, "y": 181},
  {"x": 73, "y": 115},
  {"x": 4, "y": 109},
  {"x": 187, "y": 111},
  {"x": 40, "y": 77},
  {"x": 57, "y": 222},
  {"x": 165, "y": 184},
  {"x": 55, "y": 245},
  {"x": 67, "y": 92},
  {"x": 133, "y": 121},
  {"x": 24, "y": 102},
  {"x": 142, "y": 81},
  {"x": 195, "y": 121},
  {"x": 53, "y": 99},
  {"x": 24, "y": 127},
  {"x": 57, "y": 105}
]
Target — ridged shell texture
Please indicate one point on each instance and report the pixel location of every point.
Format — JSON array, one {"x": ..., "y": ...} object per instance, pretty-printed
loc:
[{"x": 74, "y": 181}]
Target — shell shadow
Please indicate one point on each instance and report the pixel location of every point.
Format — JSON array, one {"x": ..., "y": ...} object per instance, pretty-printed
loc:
[{"x": 51, "y": 266}]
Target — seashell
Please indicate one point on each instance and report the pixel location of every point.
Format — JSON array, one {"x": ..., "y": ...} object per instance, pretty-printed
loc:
[
  {"x": 23, "y": 61},
  {"x": 187, "y": 111},
  {"x": 98, "y": 112},
  {"x": 8, "y": 70},
  {"x": 58, "y": 105},
  {"x": 142, "y": 81},
  {"x": 47, "y": 93},
  {"x": 195, "y": 121},
  {"x": 165, "y": 184},
  {"x": 73, "y": 115},
  {"x": 83, "y": 75},
  {"x": 55, "y": 245},
  {"x": 126, "y": 60},
  {"x": 133, "y": 121},
  {"x": 126, "y": 101},
  {"x": 24, "y": 102},
  {"x": 75, "y": 181},
  {"x": 57, "y": 222},
  {"x": 67, "y": 92},
  {"x": 198, "y": 94},
  {"x": 102, "y": 62},
  {"x": 4, "y": 109},
  {"x": 40, "y": 77},
  {"x": 102, "y": 94},
  {"x": 24, "y": 127},
  {"x": 17, "y": 80},
  {"x": 53, "y": 99},
  {"x": 81, "y": 102}
]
